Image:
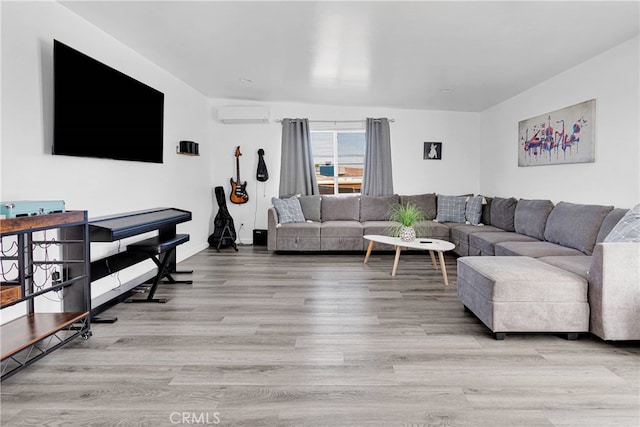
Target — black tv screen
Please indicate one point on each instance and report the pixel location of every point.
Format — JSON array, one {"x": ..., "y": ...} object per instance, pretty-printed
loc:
[{"x": 101, "y": 112}]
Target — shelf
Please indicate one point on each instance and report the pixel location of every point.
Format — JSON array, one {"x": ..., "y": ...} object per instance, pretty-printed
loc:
[
  {"x": 188, "y": 154},
  {"x": 28, "y": 330},
  {"x": 40, "y": 222},
  {"x": 28, "y": 338}
]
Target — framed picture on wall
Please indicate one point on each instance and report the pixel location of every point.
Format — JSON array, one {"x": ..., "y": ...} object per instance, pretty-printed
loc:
[
  {"x": 562, "y": 136},
  {"x": 433, "y": 150}
]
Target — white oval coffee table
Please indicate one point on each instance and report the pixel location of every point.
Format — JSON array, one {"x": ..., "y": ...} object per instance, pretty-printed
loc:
[{"x": 425, "y": 243}]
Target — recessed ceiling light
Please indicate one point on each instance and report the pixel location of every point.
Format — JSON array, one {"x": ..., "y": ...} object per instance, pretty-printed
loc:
[
  {"x": 447, "y": 90},
  {"x": 245, "y": 80}
]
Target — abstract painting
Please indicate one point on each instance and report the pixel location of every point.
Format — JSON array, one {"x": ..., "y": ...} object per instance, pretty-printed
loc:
[{"x": 562, "y": 136}]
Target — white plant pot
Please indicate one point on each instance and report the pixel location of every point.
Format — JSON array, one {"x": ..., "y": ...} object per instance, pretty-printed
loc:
[{"x": 407, "y": 234}]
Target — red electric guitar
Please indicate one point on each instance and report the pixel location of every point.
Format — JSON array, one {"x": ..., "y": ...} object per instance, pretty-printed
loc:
[{"x": 238, "y": 191}]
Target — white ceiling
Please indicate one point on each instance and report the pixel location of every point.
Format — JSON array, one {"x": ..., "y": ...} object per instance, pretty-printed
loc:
[{"x": 437, "y": 55}]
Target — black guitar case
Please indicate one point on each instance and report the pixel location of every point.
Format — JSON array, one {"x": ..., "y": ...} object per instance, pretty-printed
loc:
[
  {"x": 262, "y": 174},
  {"x": 224, "y": 231}
]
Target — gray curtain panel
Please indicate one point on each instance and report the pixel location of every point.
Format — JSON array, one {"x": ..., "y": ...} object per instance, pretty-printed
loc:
[
  {"x": 377, "y": 179},
  {"x": 297, "y": 173}
]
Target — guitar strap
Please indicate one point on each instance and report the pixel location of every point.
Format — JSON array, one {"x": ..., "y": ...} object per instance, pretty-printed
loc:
[{"x": 262, "y": 174}]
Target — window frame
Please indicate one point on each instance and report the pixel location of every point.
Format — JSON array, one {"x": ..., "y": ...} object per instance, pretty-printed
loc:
[{"x": 335, "y": 162}]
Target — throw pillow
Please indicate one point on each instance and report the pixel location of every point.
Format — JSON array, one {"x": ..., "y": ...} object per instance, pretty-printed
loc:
[
  {"x": 288, "y": 210},
  {"x": 310, "y": 207},
  {"x": 627, "y": 229},
  {"x": 451, "y": 208},
  {"x": 473, "y": 210}
]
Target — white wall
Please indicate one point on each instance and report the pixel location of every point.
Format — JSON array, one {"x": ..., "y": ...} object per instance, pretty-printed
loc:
[
  {"x": 411, "y": 173},
  {"x": 101, "y": 186},
  {"x": 614, "y": 178}
]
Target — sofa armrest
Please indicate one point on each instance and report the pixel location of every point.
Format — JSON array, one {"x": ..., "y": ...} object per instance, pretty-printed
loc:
[
  {"x": 614, "y": 291},
  {"x": 272, "y": 230}
]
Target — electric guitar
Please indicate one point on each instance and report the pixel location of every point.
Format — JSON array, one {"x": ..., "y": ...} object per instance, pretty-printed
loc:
[{"x": 238, "y": 191}]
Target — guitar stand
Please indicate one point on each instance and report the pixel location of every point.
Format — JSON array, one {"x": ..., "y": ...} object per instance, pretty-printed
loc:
[{"x": 226, "y": 232}]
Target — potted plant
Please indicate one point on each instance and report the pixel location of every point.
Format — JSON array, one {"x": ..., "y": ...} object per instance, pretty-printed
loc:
[{"x": 407, "y": 216}]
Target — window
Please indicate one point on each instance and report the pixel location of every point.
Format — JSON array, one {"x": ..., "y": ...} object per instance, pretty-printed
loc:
[{"x": 339, "y": 160}]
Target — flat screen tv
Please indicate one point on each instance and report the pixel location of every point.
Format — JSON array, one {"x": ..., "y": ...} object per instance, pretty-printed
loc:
[{"x": 101, "y": 112}]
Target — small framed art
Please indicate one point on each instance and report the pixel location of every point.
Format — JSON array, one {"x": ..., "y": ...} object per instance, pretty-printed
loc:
[{"x": 433, "y": 150}]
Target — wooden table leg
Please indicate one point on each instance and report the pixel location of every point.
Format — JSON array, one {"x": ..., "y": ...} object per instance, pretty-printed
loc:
[
  {"x": 369, "y": 248},
  {"x": 433, "y": 260},
  {"x": 444, "y": 268},
  {"x": 395, "y": 261}
]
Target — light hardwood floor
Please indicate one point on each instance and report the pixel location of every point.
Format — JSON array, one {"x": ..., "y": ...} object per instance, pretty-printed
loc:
[{"x": 308, "y": 340}]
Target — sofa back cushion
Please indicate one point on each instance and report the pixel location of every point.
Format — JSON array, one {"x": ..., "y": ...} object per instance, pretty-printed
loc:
[
  {"x": 425, "y": 202},
  {"x": 340, "y": 208},
  {"x": 609, "y": 222},
  {"x": 575, "y": 226},
  {"x": 531, "y": 217},
  {"x": 503, "y": 213},
  {"x": 374, "y": 208},
  {"x": 486, "y": 211},
  {"x": 311, "y": 207}
]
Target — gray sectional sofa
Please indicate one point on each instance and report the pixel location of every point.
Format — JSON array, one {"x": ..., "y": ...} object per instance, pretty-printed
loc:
[
  {"x": 529, "y": 266},
  {"x": 339, "y": 222}
]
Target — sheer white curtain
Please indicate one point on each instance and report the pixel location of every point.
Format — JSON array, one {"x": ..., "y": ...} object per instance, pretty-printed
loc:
[
  {"x": 297, "y": 172},
  {"x": 378, "y": 177}
]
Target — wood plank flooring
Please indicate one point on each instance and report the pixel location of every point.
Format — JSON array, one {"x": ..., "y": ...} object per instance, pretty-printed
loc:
[{"x": 265, "y": 339}]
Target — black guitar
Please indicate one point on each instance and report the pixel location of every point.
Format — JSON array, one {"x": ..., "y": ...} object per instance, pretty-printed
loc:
[
  {"x": 224, "y": 232},
  {"x": 238, "y": 191}
]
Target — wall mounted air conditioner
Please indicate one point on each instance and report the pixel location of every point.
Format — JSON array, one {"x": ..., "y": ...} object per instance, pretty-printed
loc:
[{"x": 243, "y": 114}]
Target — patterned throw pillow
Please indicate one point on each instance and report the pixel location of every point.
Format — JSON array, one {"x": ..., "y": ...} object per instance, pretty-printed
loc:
[
  {"x": 289, "y": 210},
  {"x": 451, "y": 208},
  {"x": 473, "y": 211},
  {"x": 627, "y": 229}
]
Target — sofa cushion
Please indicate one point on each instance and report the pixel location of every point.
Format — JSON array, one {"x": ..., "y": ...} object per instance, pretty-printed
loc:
[
  {"x": 383, "y": 228},
  {"x": 575, "y": 226},
  {"x": 340, "y": 208},
  {"x": 473, "y": 210},
  {"x": 426, "y": 203},
  {"x": 373, "y": 208},
  {"x": 288, "y": 210},
  {"x": 578, "y": 264},
  {"x": 609, "y": 222},
  {"x": 451, "y": 208},
  {"x": 344, "y": 229},
  {"x": 432, "y": 229},
  {"x": 486, "y": 211},
  {"x": 311, "y": 207},
  {"x": 303, "y": 230},
  {"x": 533, "y": 249},
  {"x": 460, "y": 235},
  {"x": 531, "y": 217},
  {"x": 627, "y": 229},
  {"x": 484, "y": 242},
  {"x": 503, "y": 213}
]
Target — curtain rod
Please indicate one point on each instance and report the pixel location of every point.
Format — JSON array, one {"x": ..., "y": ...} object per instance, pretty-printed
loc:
[{"x": 336, "y": 121}]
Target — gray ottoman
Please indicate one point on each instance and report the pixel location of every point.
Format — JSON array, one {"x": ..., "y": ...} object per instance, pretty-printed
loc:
[{"x": 523, "y": 294}]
